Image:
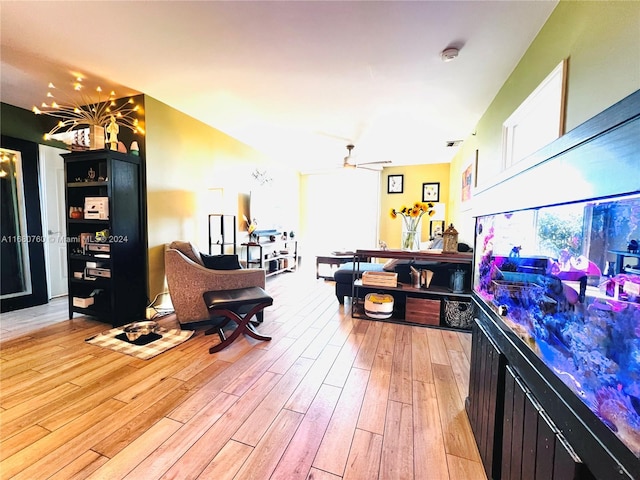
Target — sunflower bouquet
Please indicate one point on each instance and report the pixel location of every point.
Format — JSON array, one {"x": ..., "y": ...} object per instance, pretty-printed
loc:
[{"x": 411, "y": 217}]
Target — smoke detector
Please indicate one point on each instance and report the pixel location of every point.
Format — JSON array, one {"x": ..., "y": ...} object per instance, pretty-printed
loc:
[{"x": 449, "y": 54}]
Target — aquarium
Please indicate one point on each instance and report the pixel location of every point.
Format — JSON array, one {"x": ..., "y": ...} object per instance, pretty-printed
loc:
[{"x": 566, "y": 280}]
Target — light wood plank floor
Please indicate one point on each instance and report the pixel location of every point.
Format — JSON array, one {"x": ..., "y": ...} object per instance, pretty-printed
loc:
[{"x": 329, "y": 397}]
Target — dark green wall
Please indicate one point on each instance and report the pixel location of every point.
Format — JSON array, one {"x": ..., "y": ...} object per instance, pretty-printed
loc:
[{"x": 24, "y": 124}]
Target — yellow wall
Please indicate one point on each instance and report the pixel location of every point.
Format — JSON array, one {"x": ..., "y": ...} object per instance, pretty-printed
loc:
[
  {"x": 184, "y": 158},
  {"x": 414, "y": 177},
  {"x": 601, "y": 41}
]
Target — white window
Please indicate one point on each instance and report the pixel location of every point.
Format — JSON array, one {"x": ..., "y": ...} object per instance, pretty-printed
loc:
[
  {"x": 342, "y": 211},
  {"x": 537, "y": 121}
]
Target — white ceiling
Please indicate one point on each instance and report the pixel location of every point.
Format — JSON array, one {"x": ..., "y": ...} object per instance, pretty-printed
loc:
[{"x": 297, "y": 80}]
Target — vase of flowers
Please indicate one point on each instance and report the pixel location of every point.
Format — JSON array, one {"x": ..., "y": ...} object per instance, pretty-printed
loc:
[
  {"x": 412, "y": 223},
  {"x": 411, "y": 236},
  {"x": 251, "y": 229}
]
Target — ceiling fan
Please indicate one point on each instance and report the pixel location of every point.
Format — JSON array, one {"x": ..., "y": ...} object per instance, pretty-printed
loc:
[{"x": 349, "y": 162}]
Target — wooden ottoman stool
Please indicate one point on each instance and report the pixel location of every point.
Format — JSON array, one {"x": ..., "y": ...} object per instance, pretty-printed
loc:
[{"x": 227, "y": 304}]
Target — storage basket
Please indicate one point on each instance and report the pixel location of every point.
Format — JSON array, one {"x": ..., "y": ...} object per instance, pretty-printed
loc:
[
  {"x": 378, "y": 305},
  {"x": 458, "y": 314}
]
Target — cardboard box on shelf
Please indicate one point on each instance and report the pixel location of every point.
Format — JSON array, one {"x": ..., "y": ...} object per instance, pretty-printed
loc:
[
  {"x": 82, "y": 302},
  {"x": 380, "y": 279}
]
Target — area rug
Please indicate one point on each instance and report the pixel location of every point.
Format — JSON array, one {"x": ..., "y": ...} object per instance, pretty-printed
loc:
[{"x": 142, "y": 350}]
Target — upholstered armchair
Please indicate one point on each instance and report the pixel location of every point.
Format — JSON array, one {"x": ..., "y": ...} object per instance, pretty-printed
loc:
[{"x": 188, "y": 279}]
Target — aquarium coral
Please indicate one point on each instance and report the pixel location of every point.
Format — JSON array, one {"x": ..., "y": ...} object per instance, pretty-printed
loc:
[{"x": 583, "y": 324}]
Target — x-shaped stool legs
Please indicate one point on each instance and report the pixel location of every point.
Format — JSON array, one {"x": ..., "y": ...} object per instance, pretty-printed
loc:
[{"x": 225, "y": 303}]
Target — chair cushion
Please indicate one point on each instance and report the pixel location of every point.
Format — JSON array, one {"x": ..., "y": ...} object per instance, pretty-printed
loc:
[
  {"x": 220, "y": 262},
  {"x": 188, "y": 250},
  {"x": 238, "y": 296}
]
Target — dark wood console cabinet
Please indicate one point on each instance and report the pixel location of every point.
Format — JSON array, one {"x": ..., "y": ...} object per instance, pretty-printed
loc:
[
  {"x": 518, "y": 419},
  {"x": 526, "y": 422},
  {"x": 436, "y": 306},
  {"x": 107, "y": 280}
]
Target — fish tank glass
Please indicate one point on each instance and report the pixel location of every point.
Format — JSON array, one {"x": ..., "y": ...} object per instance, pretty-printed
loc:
[{"x": 566, "y": 280}]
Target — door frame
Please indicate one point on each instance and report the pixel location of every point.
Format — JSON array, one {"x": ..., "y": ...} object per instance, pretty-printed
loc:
[{"x": 56, "y": 239}]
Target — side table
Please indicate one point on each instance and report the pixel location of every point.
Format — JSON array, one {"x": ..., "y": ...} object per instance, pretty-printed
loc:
[{"x": 337, "y": 259}]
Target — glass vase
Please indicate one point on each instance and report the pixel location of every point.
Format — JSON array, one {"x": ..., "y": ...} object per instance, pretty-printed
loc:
[{"x": 411, "y": 236}]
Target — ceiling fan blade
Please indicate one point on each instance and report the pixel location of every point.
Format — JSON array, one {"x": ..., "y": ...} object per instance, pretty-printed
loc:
[
  {"x": 331, "y": 135},
  {"x": 367, "y": 167},
  {"x": 350, "y": 163},
  {"x": 379, "y": 162}
]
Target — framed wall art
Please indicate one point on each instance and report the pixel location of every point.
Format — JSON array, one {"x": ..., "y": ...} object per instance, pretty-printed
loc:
[
  {"x": 431, "y": 192},
  {"x": 467, "y": 182},
  {"x": 395, "y": 184}
]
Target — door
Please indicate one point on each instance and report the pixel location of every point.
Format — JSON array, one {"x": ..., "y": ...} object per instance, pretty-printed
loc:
[{"x": 53, "y": 212}]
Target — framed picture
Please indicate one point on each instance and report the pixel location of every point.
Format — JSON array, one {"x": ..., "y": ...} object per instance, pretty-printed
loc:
[
  {"x": 395, "y": 183},
  {"x": 431, "y": 192},
  {"x": 436, "y": 228},
  {"x": 467, "y": 181}
]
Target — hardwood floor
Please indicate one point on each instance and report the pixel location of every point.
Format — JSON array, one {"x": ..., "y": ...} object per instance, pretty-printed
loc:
[
  {"x": 329, "y": 397},
  {"x": 22, "y": 322}
]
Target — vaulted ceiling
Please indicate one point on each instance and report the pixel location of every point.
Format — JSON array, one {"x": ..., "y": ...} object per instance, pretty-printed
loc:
[{"x": 298, "y": 80}]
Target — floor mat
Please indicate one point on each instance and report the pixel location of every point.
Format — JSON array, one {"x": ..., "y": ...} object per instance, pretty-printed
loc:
[{"x": 168, "y": 339}]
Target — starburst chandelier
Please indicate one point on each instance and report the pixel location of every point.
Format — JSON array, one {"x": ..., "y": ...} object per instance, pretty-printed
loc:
[{"x": 84, "y": 111}]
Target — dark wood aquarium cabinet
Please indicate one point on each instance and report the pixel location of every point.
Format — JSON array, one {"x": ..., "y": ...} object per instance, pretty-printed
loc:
[
  {"x": 106, "y": 250},
  {"x": 554, "y": 389}
]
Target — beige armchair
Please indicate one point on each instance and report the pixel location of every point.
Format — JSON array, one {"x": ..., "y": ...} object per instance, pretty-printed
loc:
[{"x": 188, "y": 279}]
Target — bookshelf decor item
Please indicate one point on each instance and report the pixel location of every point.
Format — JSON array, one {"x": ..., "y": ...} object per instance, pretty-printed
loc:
[
  {"x": 450, "y": 240},
  {"x": 80, "y": 111}
]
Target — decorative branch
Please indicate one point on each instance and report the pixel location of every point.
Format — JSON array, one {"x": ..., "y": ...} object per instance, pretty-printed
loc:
[{"x": 86, "y": 111}]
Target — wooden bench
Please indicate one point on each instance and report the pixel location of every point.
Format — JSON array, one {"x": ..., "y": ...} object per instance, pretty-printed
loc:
[{"x": 229, "y": 305}]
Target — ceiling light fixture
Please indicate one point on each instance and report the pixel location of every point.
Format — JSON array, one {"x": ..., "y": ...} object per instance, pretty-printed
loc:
[
  {"x": 449, "y": 54},
  {"x": 86, "y": 111}
]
